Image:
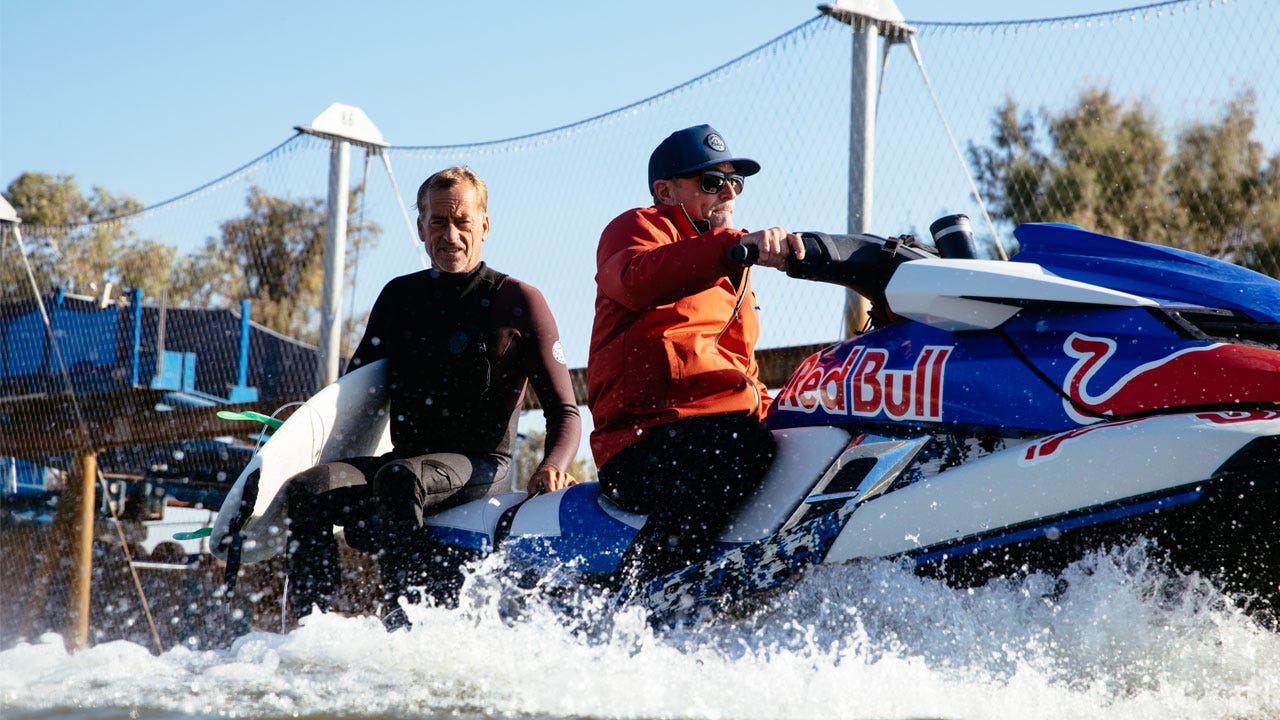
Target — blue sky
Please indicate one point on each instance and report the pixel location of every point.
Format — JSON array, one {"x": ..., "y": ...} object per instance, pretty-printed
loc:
[{"x": 152, "y": 98}]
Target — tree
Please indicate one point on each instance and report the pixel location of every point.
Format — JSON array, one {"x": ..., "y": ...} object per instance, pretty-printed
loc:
[
  {"x": 1231, "y": 200},
  {"x": 273, "y": 256},
  {"x": 77, "y": 242},
  {"x": 1106, "y": 166}
]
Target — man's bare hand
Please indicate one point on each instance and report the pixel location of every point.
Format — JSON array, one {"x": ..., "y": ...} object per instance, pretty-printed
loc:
[
  {"x": 776, "y": 246},
  {"x": 549, "y": 479}
]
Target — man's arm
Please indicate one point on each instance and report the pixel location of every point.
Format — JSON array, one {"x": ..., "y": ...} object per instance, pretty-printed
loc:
[
  {"x": 549, "y": 376},
  {"x": 640, "y": 267}
]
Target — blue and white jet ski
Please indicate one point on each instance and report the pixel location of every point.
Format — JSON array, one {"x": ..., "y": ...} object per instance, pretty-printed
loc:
[{"x": 1001, "y": 417}]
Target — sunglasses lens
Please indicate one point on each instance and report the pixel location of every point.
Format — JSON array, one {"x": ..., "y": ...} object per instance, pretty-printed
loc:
[{"x": 713, "y": 183}]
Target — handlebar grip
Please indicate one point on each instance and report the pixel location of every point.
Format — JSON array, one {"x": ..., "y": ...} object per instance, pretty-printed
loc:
[{"x": 745, "y": 254}]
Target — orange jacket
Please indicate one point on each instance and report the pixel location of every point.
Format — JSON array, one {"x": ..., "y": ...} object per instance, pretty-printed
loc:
[{"x": 673, "y": 335}]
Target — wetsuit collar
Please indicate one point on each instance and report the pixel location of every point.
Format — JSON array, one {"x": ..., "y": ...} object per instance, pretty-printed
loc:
[
  {"x": 459, "y": 278},
  {"x": 459, "y": 283}
]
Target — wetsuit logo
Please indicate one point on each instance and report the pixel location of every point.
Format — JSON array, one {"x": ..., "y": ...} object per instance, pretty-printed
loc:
[{"x": 458, "y": 342}]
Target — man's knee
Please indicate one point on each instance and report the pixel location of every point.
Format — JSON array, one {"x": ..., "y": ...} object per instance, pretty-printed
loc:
[
  {"x": 308, "y": 483},
  {"x": 303, "y": 494},
  {"x": 406, "y": 489},
  {"x": 419, "y": 478},
  {"x": 394, "y": 482},
  {"x": 322, "y": 479}
]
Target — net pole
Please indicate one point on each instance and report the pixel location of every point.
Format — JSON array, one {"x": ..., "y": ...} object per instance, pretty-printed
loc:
[
  {"x": 869, "y": 20},
  {"x": 335, "y": 260},
  {"x": 862, "y": 138}
]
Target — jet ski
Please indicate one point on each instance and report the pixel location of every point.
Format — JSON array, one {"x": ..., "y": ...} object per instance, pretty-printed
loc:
[{"x": 1000, "y": 417}]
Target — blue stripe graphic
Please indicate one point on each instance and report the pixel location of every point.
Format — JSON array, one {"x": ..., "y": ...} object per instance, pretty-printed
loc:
[{"x": 1064, "y": 525}]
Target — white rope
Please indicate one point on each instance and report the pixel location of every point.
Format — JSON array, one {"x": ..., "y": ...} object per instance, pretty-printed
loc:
[
  {"x": 404, "y": 211},
  {"x": 884, "y": 68},
  {"x": 915, "y": 52},
  {"x": 355, "y": 264}
]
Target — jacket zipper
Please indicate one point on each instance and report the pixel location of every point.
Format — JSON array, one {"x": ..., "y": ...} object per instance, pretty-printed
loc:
[{"x": 737, "y": 307}]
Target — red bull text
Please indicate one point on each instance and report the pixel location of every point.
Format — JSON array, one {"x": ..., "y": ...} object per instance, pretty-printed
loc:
[{"x": 862, "y": 386}]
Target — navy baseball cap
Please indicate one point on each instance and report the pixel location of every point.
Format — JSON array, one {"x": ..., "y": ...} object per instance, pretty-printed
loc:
[{"x": 693, "y": 149}]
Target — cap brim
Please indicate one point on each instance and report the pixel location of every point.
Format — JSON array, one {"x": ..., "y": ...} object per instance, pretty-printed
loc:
[{"x": 742, "y": 166}]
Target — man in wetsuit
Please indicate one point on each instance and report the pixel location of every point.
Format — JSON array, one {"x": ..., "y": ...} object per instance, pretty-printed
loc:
[
  {"x": 461, "y": 342},
  {"x": 672, "y": 376}
]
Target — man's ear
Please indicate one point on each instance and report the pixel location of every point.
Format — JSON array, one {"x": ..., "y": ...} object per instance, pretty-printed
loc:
[{"x": 662, "y": 191}]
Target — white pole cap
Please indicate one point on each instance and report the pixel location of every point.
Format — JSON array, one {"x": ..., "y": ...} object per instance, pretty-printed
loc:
[
  {"x": 345, "y": 122},
  {"x": 7, "y": 213}
]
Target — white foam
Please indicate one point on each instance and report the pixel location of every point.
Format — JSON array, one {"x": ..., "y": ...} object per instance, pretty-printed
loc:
[{"x": 1115, "y": 637}]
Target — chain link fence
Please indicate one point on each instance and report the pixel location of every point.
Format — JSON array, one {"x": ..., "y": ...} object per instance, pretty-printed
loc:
[{"x": 1160, "y": 123}]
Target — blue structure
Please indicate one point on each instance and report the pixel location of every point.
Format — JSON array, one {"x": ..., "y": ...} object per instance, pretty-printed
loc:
[
  {"x": 124, "y": 355},
  {"x": 200, "y": 357},
  {"x": 23, "y": 478}
]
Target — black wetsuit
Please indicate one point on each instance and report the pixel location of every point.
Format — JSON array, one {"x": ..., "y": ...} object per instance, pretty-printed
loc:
[{"x": 460, "y": 350}]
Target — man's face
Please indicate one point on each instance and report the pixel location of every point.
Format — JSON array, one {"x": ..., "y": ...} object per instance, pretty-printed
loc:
[
  {"x": 716, "y": 208},
  {"x": 453, "y": 227}
]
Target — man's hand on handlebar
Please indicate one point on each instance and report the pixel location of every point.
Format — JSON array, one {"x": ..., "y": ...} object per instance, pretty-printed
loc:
[{"x": 776, "y": 246}]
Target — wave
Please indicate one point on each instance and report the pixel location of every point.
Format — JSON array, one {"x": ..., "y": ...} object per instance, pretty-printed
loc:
[{"x": 1115, "y": 634}]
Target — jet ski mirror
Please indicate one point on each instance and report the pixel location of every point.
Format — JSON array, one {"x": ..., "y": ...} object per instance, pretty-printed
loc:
[{"x": 953, "y": 236}]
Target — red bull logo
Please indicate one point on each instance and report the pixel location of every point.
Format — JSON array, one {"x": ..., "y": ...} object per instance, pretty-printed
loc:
[
  {"x": 1046, "y": 447},
  {"x": 864, "y": 386},
  {"x": 1231, "y": 417},
  {"x": 1211, "y": 374}
]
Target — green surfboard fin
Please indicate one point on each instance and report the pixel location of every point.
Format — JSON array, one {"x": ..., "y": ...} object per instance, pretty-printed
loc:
[
  {"x": 267, "y": 420},
  {"x": 194, "y": 534}
]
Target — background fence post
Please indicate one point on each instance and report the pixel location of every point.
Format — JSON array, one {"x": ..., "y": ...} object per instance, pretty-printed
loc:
[
  {"x": 869, "y": 19},
  {"x": 342, "y": 125},
  {"x": 82, "y": 505}
]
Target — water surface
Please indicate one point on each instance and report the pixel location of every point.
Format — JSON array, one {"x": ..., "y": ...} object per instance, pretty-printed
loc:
[{"x": 1114, "y": 637}]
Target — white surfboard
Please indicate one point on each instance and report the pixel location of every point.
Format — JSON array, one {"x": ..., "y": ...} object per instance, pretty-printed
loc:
[{"x": 346, "y": 419}]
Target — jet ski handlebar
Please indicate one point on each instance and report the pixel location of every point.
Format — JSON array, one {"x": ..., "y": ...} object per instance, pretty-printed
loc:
[{"x": 863, "y": 263}]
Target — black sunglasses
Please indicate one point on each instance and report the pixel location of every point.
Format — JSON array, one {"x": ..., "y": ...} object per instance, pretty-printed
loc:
[{"x": 712, "y": 181}]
